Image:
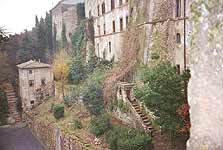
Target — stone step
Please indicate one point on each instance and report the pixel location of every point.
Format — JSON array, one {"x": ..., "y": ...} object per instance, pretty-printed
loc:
[{"x": 10, "y": 93}]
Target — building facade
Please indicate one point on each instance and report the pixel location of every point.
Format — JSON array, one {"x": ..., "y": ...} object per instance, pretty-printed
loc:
[
  {"x": 33, "y": 77},
  {"x": 64, "y": 15},
  {"x": 166, "y": 18},
  {"x": 110, "y": 21}
]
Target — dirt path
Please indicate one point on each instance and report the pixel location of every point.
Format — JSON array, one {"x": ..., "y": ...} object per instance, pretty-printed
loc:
[{"x": 18, "y": 139}]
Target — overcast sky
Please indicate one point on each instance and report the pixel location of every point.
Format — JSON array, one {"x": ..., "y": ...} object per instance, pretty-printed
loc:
[{"x": 18, "y": 15}]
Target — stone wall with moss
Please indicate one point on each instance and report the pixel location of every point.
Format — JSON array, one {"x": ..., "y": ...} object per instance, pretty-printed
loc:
[
  {"x": 205, "y": 87},
  {"x": 158, "y": 26}
]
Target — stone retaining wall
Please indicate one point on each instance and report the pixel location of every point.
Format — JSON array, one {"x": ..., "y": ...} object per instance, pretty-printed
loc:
[{"x": 52, "y": 137}]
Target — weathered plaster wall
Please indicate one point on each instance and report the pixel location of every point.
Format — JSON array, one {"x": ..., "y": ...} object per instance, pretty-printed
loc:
[
  {"x": 27, "y": 93},
  {"x": 102, "y": 39},
  {"x": 206, "y": 84}
]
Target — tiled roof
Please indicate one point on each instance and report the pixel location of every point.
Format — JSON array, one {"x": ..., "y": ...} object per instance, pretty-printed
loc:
[{"x": 33, "y": 64}]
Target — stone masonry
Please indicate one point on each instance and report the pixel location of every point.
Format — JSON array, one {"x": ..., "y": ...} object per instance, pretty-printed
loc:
[
  {"x": 206, "y": 85},
  {"x": 64, "y": 13}
]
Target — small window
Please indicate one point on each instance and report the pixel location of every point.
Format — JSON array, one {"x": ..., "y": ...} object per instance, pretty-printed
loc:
[
  {"x": 113, "y": 23},
  {"x": 178, "y": 68},
  {"x": 104, "y": 54},
  {"x": 99, "y": 30},
  {"x": 30, "y": 71},
  {"x": 112, "y": 4},
  {"x": 120, "y": 2},
  {"x": 121, "y": 24},
  {"x": 178, "y": 8},
  {"x": 31, "y": 83},
  {"x": 32, "y": 102},
  {"x": 90, "y": 14},
  {"x": 127, "y": 21},
  {"x": 43, "y": 82},
  {"x": 109, "y": 45},
  {"x": 104, "y": 29},
  {"x": 178, "y": 38},
  {"x": 98, "y": 50},
  {"x": 103, "y": 8}
]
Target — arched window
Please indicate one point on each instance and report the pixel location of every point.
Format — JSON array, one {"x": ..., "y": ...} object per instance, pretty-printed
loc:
[
  {"x": 103, "y": 8},
  {"x": 178, "y": 8}
]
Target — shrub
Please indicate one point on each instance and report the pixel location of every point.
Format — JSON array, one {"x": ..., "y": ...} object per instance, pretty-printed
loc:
[
  {"x": 100, "y": 125},
  {"x": 58, "y": 111},
  {"x": 77, "y": 124},
  {"x": 93, "y": 100},
  {"x": 120, "y": 138},
  {"x": 68, "y": 101}
]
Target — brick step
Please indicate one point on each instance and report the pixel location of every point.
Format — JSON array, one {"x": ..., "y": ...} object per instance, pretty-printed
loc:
[
  {"x": 10, "y": 94},
  {"x": 11, "y": 97},
  {"x": 9, "y": 90}
]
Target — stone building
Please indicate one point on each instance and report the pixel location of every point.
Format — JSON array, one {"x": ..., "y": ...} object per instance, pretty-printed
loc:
[
  {"x": 64, "y": 15},
  {"x": 35, "y": 82},
  {"x": 110, "y": 21},
  {"x": 167, "y": 19}
]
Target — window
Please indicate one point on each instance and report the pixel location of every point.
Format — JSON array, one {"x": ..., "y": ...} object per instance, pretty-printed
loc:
[
  {"x": 127, "y": 21},
  {"x": 98, "y": 50},
  {"x": 178, "y": 8},
  {"x": 104, "y": 54},
  {"x": 30, "y": 71},
  {"x": 32, "y": 102},
  {"x": 113, "y": 25},
  {"x": 103, "y": 8},
  {"x": 31, "y": 83},
  {"x": 121, "y": 24},
  {"x": 99, "y": 30},
  {"x": 178, "y": 38},
  {"x": 109, "y": 45},
  {"x": 178, "y": 68},
  {"x": 120, "y": 2},
  {"x": 112, "y": 4},
  {"x": 43, "y": 82},
  {"x": 90, "y": 14},
  {"x": 98, "y": 7},
  {"x": 104, "y": 29}
]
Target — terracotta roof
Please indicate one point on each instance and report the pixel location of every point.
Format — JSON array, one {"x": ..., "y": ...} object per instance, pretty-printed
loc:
[{"x": 33, "y": 64}]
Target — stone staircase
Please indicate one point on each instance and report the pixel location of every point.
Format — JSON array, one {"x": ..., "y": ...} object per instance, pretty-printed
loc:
[
  {"x": 11, "y": 98},
  {"x": 143, "y": 118}
]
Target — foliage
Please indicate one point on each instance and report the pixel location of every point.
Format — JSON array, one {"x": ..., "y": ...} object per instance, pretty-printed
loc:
[
  {"x": 93, "y": 100},
  {"x": 61, "y": 68},
  {"x": 77, "y": 124},
  {"x": 58, "y": 111},
  {"x": 120, "y": 138},
  {"x": 100, "y": 125},
  {"x": 68, "y": 100},
  {"x": 3, "y": 107},
  {"x": 77, "y": 71},
  {"x": 6, "y": 71},
  {"x": 162, "y": 94}
]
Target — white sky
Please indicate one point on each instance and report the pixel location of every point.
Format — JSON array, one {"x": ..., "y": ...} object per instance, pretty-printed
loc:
[{"x": 18, "y": 15}]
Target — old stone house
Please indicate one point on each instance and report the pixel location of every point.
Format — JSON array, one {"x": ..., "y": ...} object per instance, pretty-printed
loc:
[
  {"x": 110, "y": 21},
  {"x": 35, "y": 82},
  {"x": 64, "y": 14}
]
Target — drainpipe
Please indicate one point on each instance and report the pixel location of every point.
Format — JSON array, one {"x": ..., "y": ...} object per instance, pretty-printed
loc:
[{"x": 185, "y": 57}]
